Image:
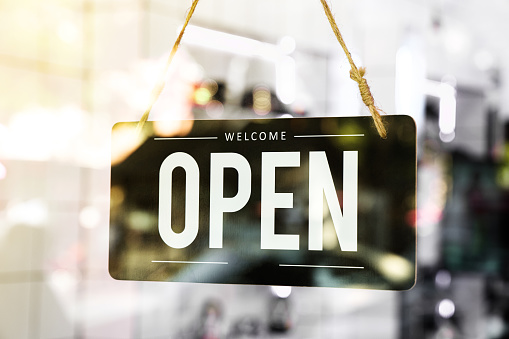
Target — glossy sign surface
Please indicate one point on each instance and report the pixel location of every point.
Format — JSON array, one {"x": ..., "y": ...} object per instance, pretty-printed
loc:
[{"x": 301, "y": 202}]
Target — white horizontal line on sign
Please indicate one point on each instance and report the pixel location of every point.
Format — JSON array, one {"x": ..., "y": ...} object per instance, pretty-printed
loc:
[
  {"x": 322, "y": 266},
  {"x": 192, "y": 262},
  {"x": 327, "y": 135},
  {"x": 188, "y": 138}
]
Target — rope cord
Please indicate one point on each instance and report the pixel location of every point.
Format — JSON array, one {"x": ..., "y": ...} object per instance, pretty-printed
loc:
[
  {"x": 158, "y": 88},
  {"x": 357, "y": 74}
]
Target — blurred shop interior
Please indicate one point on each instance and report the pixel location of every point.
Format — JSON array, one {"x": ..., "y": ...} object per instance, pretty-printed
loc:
[{"x": 69, "y": 70}]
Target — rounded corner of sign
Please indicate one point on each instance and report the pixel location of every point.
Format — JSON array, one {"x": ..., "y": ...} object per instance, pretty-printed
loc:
[
  {"x": 120, "y": 124},
  {"x": 116, "y": 125},
  {"x": 404, "y": 117},
  {"x": 114, "y": 275},
  {"x": 410, "y": 286},
  {"x": 410, "y": 119}
]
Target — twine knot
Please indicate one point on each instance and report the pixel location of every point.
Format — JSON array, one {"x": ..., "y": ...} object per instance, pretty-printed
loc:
[{"x": 357, "y": 74}]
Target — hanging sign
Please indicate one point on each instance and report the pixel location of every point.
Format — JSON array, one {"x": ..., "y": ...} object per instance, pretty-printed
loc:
[{"x": 300, "y": 202}]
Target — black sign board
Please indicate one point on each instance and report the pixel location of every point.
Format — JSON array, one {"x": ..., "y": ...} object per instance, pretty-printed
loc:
[{"x": 300, "y": 202}]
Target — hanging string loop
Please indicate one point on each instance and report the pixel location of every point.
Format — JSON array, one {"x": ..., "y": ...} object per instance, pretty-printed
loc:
[{"x": 356, "y": 74}]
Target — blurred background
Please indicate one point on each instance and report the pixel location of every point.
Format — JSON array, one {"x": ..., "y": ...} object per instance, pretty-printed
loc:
[{"x": 69, "y": 70}]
